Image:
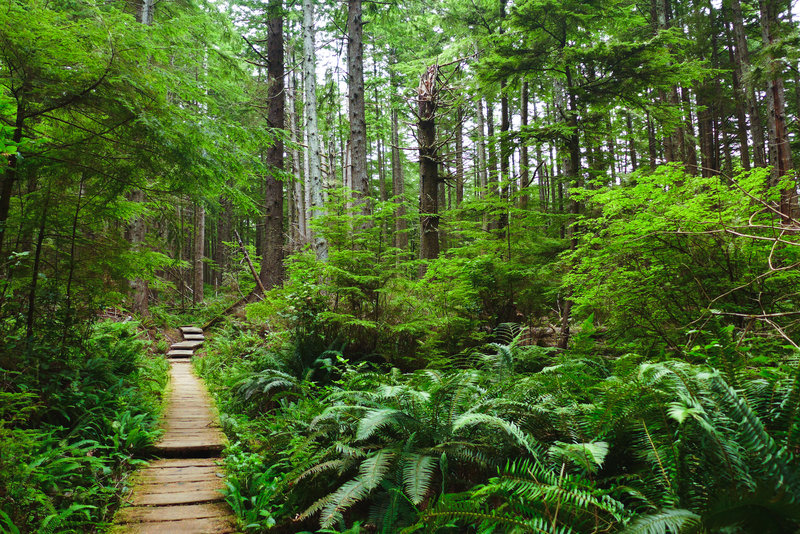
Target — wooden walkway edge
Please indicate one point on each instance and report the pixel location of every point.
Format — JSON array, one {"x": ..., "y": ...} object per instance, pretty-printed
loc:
[{"x": 181, "y": 492}]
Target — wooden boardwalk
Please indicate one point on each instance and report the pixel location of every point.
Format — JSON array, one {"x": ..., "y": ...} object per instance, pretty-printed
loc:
[{"x": 181, "y": 492}]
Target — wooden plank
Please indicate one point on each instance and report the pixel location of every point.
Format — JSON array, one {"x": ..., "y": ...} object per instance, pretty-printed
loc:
[
  {"x": 190, "y": 330},
  {"x": 180, "y": 353},
  {"x": 182, "y": 462},
  {"x": 194, "y": 337},
  {"x": 211, "y": 525},
  {"x": 186, "y": 345},
  {"x": 143, "y": 514}
]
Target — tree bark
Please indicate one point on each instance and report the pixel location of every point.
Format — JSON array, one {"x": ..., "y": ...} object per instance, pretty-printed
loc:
[
  {"x": 198, "y": 252},
  {"x": 272, "y": 269},
  {"x": 355, "y": 85},
  {"x": 743, "y": 66},
  {"x": 428, "y": 166},
  {"x": 524, "y": 161},
  {"x": 312, "y": 130},
  {"x": 459, "y": 156},
  {"x": 780, "y": 153}
]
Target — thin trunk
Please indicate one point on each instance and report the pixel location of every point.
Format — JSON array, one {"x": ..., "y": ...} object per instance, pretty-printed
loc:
[
  {"x": 743, "y": 66},
  {"x": 690, "y": 146},
  {"x": 198, "y": 253},
  {"x": 459, "y": 156},
  {"x": 780, "y": 152},
  {"x": 398, "y": 186},
  {"x": 35, "y": 272},
  {"x": 524, "y": 162},
  {"x": 505, "y": 154},
  {"x": 312, "y": 131},
  {"x": 299, "y": 228},
  {"x": 739, "y": 94}
]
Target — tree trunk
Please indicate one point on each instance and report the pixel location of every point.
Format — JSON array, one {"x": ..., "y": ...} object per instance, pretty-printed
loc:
[
  {"x": 743, "y": 66},
  {"x": 524, "y": 161},
  {"x": 355, "y": 85},
  {"x": 272, "y": 269},
  {"x": 459, "y": 156},
  {"x": 398, "y": 186},
  {"x": 299, "y": 227},
  {"x": 198, "y": 252},
  {"x": 312, "y": 130},
  {"x": 780, "y": 153},
  {"x": 428, "y": 166}
]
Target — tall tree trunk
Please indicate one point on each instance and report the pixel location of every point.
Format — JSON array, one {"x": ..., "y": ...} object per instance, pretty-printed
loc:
[
  {"x": 272, "y": 269},
  {"x": 739, "y": 93},
  {"x": 743, "y": 66},
  {"x": 780, "y": 153},
  {"x": 11, "y": 172},
  {"x": 631, "y": 141},
  {"x": 480, "y": 144},
  {"x": 505, "y": 153},
  {"x": 312, "y": 130},
  {"x": 524, "y": 161},
  {"x": 459, "y": 155},
  {"x": 428, "y": 166},
  {"x": 198, "y": 252},
  {"x": 299, "y": 228},
  {"x": 690, "y": 146},
  {"x": 398, "y": 186},
  {"x": 224, "y": 235},
  {"x": 355, "y": 85},
  {"x": 37, "y": 257}
]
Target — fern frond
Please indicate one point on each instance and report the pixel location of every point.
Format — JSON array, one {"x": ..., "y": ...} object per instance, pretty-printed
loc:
[
  {"x": 347, "y": 495},
  {"x": 373, "y": 470},
  {"x": 473, "y": 419},
  {"x": 417, "y": 475},
  {"x": 330, "y": 465},
  {"x": 670, "y": 521},
  {"x": 374, "y": 420}
]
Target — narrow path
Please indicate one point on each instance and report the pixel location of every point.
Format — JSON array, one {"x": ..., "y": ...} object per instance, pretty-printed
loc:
[{"x": 180, "y": 493}]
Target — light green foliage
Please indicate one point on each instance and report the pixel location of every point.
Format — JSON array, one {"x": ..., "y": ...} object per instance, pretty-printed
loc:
[{"x": 673, "y": 254}]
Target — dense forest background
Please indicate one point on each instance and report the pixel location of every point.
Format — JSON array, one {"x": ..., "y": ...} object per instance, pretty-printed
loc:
[{"x": 468, "y": 266}]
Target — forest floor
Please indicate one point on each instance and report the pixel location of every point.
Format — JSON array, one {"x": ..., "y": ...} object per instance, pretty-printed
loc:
[{"x": 181, "y": 492}]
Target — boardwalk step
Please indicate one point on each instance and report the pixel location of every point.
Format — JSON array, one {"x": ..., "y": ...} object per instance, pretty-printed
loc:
[
  {"x": 186, "y": 345},
  {"x": 193, "y": 337},
  {"x": 191, "y": 330},
  {"x": 180, "y": 353}
]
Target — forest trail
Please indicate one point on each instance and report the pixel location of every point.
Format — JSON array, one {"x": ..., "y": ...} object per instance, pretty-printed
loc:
[{"x": 180, "y": 492}]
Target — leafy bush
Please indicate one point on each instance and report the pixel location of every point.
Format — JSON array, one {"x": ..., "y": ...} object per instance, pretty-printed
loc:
[{"x": 69, "y": 435}]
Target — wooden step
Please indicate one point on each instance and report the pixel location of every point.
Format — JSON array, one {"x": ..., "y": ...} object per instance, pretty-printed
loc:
[
  {"x": 180, "y": 353},
  {"x": 186, "y": 345},
  {"x": 193, "y": 337},
  {"x": 191, "y": 330}
]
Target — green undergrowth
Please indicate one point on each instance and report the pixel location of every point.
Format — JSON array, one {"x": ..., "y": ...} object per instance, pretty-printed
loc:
[
  {"x": 524, "y": 439},
  {"x": 74, "y": 421}
]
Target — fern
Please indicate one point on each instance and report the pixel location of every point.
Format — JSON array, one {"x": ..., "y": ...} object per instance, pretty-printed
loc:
[
  {"x": 472, "y": 419},
  {"x": 418, "y": 473},
  {"x": 670, "y": 521},
  {"x": 374, "y": 420}
]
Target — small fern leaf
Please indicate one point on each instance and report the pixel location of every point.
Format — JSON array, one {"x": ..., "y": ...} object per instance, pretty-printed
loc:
[
  {"x": 374, "y": 420},
  {"x": 417, "y": 476},
  {"x": 670, "y": 521},
  {"x": 346, "y": 496},
  {"x": 473, "y": 419},
  {"x": 373, "y": 470}
]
